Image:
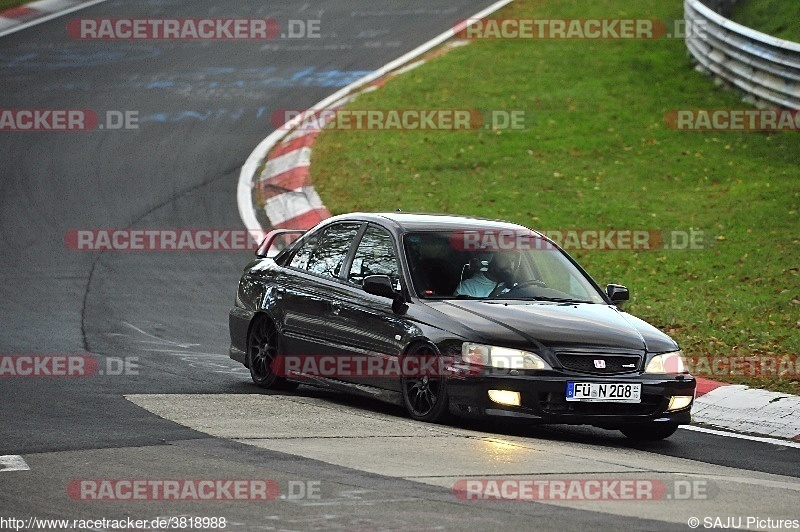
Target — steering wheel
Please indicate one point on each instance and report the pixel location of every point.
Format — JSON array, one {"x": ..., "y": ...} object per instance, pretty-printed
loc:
[{"x": 529, "y": 282}]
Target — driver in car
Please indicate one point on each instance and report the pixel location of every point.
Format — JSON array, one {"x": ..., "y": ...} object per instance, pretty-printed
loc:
[{"x": 498, "y": 278}]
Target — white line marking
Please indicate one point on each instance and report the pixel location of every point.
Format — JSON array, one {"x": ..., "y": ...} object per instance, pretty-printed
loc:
[
  {"x": 13, "y": 462},
  {"x": 761, "y": 439},
  {"x": 243, "y": 191},
  {"x": 156, "y": 339},
  {"x": 48, "y": 17}
]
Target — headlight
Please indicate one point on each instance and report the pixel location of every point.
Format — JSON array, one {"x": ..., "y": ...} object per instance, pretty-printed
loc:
[
  {"x": 666, "y": 363},
  {"x": 501, "y": 357}
]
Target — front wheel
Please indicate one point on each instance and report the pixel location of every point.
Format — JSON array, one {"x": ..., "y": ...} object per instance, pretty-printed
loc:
[
  {"x": 425, "y": 397},
  {"x": 649, "y": 431},
  {"x": 262, "y": 352}
]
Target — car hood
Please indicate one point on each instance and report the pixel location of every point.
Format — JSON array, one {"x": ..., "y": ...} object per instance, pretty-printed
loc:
[{"x": 552, "y": 325}]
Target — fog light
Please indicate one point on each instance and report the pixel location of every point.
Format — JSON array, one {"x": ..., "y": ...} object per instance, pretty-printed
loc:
[
  {"x": 676, "y": 402},
  {"x": 505, "y": 397}
]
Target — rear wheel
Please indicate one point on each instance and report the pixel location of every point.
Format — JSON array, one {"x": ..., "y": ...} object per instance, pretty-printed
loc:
[
  {"x": 649, "y": 431},
  {"x": 425, "y": 397},
  {"x": 262, "y": 353}
]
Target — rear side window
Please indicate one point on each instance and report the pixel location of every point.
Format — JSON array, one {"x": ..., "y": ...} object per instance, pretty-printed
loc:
[{"x": 325, "y": 254}]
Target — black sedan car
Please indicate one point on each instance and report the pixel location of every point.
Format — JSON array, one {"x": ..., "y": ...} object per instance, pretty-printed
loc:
[{"x": 453, "y": 315}]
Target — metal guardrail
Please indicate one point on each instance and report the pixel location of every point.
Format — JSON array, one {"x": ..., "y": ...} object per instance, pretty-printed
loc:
[{"x": 766, "y": 68}]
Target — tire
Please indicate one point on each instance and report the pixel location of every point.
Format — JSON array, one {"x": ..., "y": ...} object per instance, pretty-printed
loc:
[
  {"x": 425, "y": 398},
  {"x": 649, "y": 431},
  {"x": 262, "y": 350}
]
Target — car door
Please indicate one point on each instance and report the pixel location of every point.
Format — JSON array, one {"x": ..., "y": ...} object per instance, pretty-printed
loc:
[
  {"x": 369, "y": 328},
  {"x": 311, "y": 290}
]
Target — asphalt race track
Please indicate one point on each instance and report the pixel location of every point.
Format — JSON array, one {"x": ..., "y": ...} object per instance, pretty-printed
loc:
[{"x": 164, "y": 401}]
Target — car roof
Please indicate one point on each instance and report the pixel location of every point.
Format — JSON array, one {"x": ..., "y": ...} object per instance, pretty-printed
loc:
[{"x": 405, "y": 222}]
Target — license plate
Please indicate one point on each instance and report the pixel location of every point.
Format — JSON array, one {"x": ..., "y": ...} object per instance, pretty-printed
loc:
[{"x": 604, "y": 392}]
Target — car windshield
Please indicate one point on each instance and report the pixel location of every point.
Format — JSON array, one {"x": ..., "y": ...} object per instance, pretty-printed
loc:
[{"x": 494, "y": 264}]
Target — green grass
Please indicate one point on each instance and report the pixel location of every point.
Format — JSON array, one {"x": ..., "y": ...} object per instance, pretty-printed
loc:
[
  {"x": 597, "y": 155},
  {"x": 8, "y": 4},
  {"x": 779, "y": 18}
]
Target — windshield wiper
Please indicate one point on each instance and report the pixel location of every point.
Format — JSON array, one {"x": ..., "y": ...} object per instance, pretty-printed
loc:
[
  {"x": 526, "y": 298},
  {"x": 558, "y": 299}
]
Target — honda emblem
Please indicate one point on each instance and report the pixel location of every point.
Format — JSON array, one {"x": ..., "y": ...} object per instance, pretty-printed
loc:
[{"x": 600, "y": 364}]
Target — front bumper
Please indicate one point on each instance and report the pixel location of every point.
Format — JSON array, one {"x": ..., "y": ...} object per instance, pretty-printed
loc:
[
  {"x": 239, "y": 320},
  {"x": 543, "y": 399}
]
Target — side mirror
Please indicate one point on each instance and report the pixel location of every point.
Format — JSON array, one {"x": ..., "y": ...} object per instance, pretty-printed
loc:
[
  {"x": 617, "y": 293},
  {"x": 381, "y": 286}
]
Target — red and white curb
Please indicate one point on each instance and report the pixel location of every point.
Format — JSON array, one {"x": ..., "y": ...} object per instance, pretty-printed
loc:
[
  {"x": 284, "y": 186},
  {"x": 33, "y": 13},
  {"x": 749, "y": 410}
]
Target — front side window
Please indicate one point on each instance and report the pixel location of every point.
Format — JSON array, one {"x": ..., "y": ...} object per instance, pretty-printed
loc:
[
  {"x": 324, "y": 255},
  {"x": 375, "y": 256}
]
